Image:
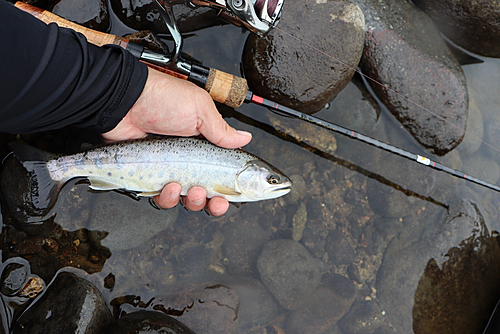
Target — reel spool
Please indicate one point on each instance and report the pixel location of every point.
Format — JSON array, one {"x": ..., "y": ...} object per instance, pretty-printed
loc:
[{"x": 258, "y": 16}]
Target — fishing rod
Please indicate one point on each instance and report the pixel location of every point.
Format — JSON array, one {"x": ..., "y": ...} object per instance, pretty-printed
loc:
[{"x": 224, "y": 87}]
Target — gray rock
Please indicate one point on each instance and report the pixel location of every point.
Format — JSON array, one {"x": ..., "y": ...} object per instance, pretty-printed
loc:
[
  {"x": 257, "y": 305},
  {"x": 387, "y": 201},
  {"x": 362, "y": 318},
  {"x": 405, "y": 52},
  {"x": 323, "y": 308},
  {"x": 243, "y": 240},
  {"x": 471, "y": 24},
  {"x": 288, "y": 271},
  {"x": 148, "y": 322},
  {"x": 339, "y": 249},
  {"x": 281, "y": 68},
  {"x": 202, "y": 307},
  {"x": 120, "y": 223},
  {"x": 438, "y": 262},
  {"x": 69, "y": 305}
]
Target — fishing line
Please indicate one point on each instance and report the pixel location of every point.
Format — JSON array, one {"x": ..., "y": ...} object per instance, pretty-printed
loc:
[{"x": 388, "y": 88}]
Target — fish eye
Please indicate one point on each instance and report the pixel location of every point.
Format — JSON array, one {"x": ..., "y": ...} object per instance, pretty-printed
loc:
[{"x": 273, "y": 179}]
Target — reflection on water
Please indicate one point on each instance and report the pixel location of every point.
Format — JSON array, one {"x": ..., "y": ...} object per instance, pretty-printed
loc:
[{"x": 378, "y": 243}]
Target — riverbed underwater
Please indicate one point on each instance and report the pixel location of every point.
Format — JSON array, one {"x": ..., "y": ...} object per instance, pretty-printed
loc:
[{"x": 366, "y": 242}]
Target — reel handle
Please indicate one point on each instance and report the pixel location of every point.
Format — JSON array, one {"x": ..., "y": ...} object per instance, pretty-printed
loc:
[{"x": 223, "y": 87}]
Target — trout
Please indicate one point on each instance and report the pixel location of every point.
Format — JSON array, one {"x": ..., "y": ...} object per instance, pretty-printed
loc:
[{"x": 143, "y": 167}]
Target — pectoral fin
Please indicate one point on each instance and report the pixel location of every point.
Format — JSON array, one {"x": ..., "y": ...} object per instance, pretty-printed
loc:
[
  {"x": 225, "y": 190},
  {"x": 97, "y": 184}
]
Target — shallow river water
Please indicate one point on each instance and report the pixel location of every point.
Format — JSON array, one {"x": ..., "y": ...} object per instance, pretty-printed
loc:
[{"x": 393, "y": 246}]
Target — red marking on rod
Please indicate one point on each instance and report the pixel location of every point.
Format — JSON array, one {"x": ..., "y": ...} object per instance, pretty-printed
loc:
[
  {"x": 257, "y": 99},
  {"x": 465, "y": 176},
  {"x": 433, "y": 164},
  {"x": 352, "y": 134}
]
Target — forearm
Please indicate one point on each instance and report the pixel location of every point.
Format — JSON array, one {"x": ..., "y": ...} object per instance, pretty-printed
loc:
[{"x": 51, "y": 77}]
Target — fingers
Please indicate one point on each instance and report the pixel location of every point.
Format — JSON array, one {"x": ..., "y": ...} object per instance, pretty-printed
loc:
[
  {"x": 194, "y": 201},
  {"x": 214, "y": 128}
]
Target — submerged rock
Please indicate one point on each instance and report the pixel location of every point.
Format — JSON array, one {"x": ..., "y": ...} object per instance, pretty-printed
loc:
[
  {"x": 323, "y": 308},
  {"x": 119, "y": 223},
  {"x": 405, "y": 52},
  {"x": 69, "y": 305},
  {"x": 148, "y": 322},
  {"x": 203, "y": 307},
  {"x": 284, "y": 69},
  {"x": 437, "y": 268},
  {"x": 289, "y": 272},
  {"x": 471, "y": 24}
]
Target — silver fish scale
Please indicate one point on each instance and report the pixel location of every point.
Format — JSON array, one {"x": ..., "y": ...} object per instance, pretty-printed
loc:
[{"x": 147, "y": 165}]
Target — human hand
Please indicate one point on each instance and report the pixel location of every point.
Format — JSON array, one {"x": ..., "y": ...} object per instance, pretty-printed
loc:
[{"x": 172, "y": 106}]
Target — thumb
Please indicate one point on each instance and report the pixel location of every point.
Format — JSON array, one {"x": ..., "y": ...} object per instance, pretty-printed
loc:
[{"x": 214, "y": 128}]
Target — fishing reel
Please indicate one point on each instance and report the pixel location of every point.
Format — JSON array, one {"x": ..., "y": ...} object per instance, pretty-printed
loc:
[{"x": 258, "y": 16}]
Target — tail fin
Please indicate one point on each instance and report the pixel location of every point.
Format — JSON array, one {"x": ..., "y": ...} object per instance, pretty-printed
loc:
[{"x": 44, "y": 189}]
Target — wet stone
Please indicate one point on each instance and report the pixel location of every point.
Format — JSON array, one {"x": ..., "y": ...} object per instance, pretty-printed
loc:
[
  {"x": 299, "y": 222},
  {"x": 243, "y": 240},
  {"x": 257, "y": 306},
  {"x": 387, "y": 201},
  {"x": 69, "y": 305},
  {"x": 92, "y": 14},
  {"x": 202, "y": 307},
  {"x": 283, "y": 69},
  {"x": 454, "y": 261},
  {"x": 148, "y": 322},
  {"x": 471, "y": 24},
  {"x": 322, "y": 310},
  {"x": 406, "y": 53},
  {"x": 339, "y": 249},
  {"x": 362, "y": 318},
  {"x": 289, "y": 272},
  {"x": 119, "y": 223}
]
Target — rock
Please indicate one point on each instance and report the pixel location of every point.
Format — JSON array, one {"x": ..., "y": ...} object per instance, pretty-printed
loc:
[
  {"x": 299, "y": 221},
  {"x": 339, "y": 249},
  {"x": 257, "y": 305},
  {"x": 438, "y": 262},
  {"x": 387, "y": 201},
  {"x": 243, "y": 240},
  {"x": 144, "y": 15},
  {"x": 119, "y": 223},
  {"x": 406, "y": 54},
  {"x": 281, "y": 68},
  {"x": 354, "y": 108},
  {"x": 288, "y": 271},
  {"x": 362, "y": 318},
  {"x": 92, "y": 14},
  {"x": 313, "y": 135},
  {"x": 475, "y": 129},
  {"x": 484, "y": 168},
  {"x": 148, "y": 322},
  {"x": 471, "y": 24},
  {"x": 202, "y": 307},
  {"x": 193, "y": 262},
  {"x": 323, "y": 308},
  {"x": 298, "y": 191},
  {"x": 69, "y": 305}
]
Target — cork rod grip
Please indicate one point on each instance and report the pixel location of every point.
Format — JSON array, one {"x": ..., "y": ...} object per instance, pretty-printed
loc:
[
  {"x": 226, "y": 88},
  {"x": 95, "y": 37}
]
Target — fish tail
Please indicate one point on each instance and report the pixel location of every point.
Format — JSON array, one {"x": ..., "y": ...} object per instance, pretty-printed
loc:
[{"x": 43, "y": 188}]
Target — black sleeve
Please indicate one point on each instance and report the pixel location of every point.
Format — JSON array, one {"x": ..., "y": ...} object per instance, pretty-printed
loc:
[{"x": 50, "y": 77}]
